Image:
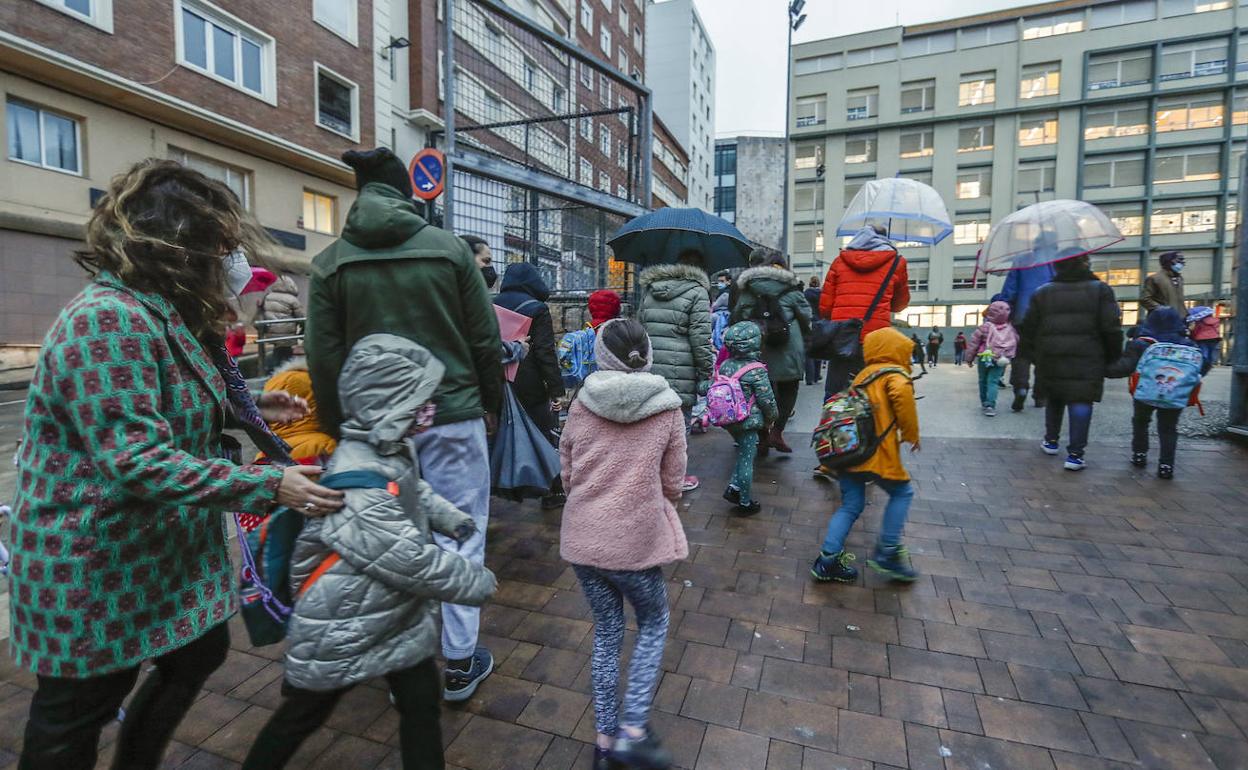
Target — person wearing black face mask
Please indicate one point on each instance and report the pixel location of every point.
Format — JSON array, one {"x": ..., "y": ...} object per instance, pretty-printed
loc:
[{"x": 485, "y": 259}]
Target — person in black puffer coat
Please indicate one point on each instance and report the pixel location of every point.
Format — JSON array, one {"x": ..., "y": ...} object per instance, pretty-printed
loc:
[
  {"x": 814, "y": 367},
  {"x": 1072, "y": 331},
  {"x": 539, "y": 384}
]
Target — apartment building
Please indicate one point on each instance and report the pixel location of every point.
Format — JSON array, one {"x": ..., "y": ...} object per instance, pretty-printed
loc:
[
  {"x": 669, "y": 184},
  {"x": 1139, "y": 106},
  {"x": 759, "y": 160},
  {"x": 261, "y": 96},
  {"x": 680, "y": 68}
]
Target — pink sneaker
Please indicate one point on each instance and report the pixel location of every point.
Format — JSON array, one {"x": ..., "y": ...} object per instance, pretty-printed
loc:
[{"x": 691, "y": 483}]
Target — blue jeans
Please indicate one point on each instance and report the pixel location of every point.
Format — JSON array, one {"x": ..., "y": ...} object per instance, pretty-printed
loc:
[
  {"x": 989, "y": 382},
  {"x": 455, "y": 459},
  {"x": 1080, "y": 421},
  {"x": 854, "y": 500},
  {"x": 1209, "y": 349},
  {"x": 959, "y": 356}
]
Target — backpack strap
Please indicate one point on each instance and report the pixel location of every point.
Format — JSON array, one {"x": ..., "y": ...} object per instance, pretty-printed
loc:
[
  {"x": 525, "y": 305},
  {"x": 878, "y": 373},
  {"x": 879, "y": 294},
  {"x": 345, "y": 480},
  {"x": 738, "y": 374}
]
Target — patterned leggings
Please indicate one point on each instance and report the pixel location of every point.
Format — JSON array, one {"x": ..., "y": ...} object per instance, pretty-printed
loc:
[
  {"x": 606, "y": 591},
  {"x": 743, "y": 472}
]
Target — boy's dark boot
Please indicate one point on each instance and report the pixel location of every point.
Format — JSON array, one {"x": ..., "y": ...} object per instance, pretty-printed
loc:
[
  {"x": 894, "y": 563},
  {"x": 776, "y": 440},
  {"x": 834, "y": 567}
]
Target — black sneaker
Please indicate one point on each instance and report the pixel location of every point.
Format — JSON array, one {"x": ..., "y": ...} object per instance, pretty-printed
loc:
[
  {"x": 894, "y": 563},
  {"x": 732, "y": 495},
  {"x": 460, "y": 685},
  {"x": 1165, "y": 472},
  {"x": 645, "y": 753},
  {"x": 553, "y": 500},
  {"x": 834, "y": 567},
  {"x": 603, "y": 760},
  {"x": 1139, "y": 459},
  {"x": 1020, "y": 401},
  {"x": 748, "y": 509}
]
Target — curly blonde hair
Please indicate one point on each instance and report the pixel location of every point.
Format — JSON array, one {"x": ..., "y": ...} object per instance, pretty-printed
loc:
[{"x": 163, "y": 228}]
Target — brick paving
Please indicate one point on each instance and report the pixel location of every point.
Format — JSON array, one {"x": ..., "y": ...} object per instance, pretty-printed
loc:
[{"x": 1096, "y": 621}]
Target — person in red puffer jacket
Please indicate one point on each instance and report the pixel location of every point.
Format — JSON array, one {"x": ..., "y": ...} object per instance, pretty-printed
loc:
[{"x": 848, "y": 288}]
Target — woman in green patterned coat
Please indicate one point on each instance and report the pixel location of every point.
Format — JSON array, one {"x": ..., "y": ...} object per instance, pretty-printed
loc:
[{"x": 119, "y": 550}]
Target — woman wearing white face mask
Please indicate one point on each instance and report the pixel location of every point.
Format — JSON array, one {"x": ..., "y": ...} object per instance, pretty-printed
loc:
[{"x": 119, "y": 549}]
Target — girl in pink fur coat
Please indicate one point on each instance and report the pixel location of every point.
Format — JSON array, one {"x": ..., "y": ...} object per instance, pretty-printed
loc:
[{"x": 623, "y": 453}]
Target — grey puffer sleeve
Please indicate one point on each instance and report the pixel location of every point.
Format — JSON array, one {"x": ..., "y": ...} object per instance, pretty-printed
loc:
[{"x": 700, "y": 336}]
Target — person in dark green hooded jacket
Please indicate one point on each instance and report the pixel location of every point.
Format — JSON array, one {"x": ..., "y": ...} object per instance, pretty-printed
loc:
[{"x": 744, "y": 341}]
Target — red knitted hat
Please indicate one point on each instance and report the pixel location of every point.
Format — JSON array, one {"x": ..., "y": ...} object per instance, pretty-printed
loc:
[{"x": 604, "y": 305}]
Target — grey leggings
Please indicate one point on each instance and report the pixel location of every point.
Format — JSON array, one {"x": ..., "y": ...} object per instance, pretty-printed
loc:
[{"x": 647, "y": 592}]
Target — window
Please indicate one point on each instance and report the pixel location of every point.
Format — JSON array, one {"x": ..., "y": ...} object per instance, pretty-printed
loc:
[
  {"x": 97, "y": 13},
  {"x": 1040, "y": 80},
  {"x": 587, "y": 77},
  {"x": 862, "y": 104},
  {"x": 623, "y": 60},
  {"x": 638, "y": 39},
  {"x": 971, "y": 229},
  {"x": 604, "y": 89},
  {"x": 1188, "y": 112},
  {"x": 558, "y": 99},
  {"x": 813, "y": 64},
  {"x": 1183, "y": 7},
  {"x": 874, "y": 55},
  {"x": 1126, "y": 170},
  {"x": 604, "y": 42},
  {"x": 1232, "y": 214},
  {"x": 226, "y": 50},
  {"x": 975, "y": 137},
  {"x": 967, "y": 276},
  {"x": 604, "y": 139},
  {"x": 1121, "y": 120},
  {"x": 1121, "y": 69},
  {"x": 318, "y": 212},
  {"x": 725, "y": 200},
  {"x": 1193, "y": 60},
  {"x": 1057, "y": 24},
  {"x": 587, "y": 126},
  {"x": 918, "y": 96},
  {"x": 808, "y": 239},
  {"x": 808, "y": 155},
  {"x": 1189, "y": 164},
  {"x": 1239, "y": 110},
  {"x": 530, "y": 75},
  {"x": 1037, "y": 177},
  {"x": 621, "y": 154},
  {"x": 587, "y": 15},
  {"x": 1130, "y": 312},
  {"x": 1127, "y": 217},
  {"x": 1184, "y": 216},
  {"x": 919, "y": 175},
  {"x": 977, "y": 88},
  {"x": 337, "y": 103},
  {"x": 1123, "y": 13},
  {"x": 726, "y": 160},
  {"x": 604, "y": 182},
  {"x": 586, "y": 176},
  {"x": 808, "y": 197},
  {"x": 812, "y": 111},
  {"x": 917, "y": 273},
  {"x": 860, "y": 148},
  {"x": 852, "y": 185},
  {"x": 1117, "y": 269},
  {"x": 338, "y": 16},
  {"x": 940, "y": 42},
  {"x": 974, "y": 183},
  {"x": 917, "y": 143},
  {"x": 625, "y": 23},
  {"x": 990, "y": 34},
  {"x": 1034, "y": 130},
  {"x": 43, "y": 138},
  {"x": 237, "y": 179}
]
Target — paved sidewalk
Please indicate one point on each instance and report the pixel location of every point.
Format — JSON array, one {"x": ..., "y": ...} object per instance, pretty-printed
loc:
[{"x": 1063, "y": 621}]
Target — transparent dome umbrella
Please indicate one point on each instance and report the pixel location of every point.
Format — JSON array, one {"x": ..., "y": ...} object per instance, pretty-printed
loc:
[
  {"x": 1046, "y": 232},
  {"x": 909, "y": 211}
]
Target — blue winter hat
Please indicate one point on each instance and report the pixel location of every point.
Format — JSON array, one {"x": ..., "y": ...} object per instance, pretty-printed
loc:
[{"x": 1164, "y": 324}]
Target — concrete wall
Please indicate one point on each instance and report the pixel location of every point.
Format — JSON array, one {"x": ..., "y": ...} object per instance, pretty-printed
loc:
[
  {"x": 760, "y": 176},
  {"x": 682, "y": 93}
]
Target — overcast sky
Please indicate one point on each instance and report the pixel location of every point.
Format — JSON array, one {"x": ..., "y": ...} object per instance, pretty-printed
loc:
[{"x": 748, "y": 36}]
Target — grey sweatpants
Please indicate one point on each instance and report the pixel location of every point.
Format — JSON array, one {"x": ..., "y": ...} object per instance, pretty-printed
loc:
[
  {"x": 455, "y": 460},
  {"x": 606, "y": 591}
]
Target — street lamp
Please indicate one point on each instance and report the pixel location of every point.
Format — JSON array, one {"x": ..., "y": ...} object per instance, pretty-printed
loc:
[{"x": 794, "y": 20}]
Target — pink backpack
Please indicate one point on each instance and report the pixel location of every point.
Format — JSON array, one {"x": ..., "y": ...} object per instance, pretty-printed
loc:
[
  {"x": 1001, "y": 341},
  {"x": 726, "y": 403}
]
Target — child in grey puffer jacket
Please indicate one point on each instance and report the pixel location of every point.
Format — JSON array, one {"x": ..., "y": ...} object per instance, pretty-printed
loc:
[{"x": 369, "y": 577}]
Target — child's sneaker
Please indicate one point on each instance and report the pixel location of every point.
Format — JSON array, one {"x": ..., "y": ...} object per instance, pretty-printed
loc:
[
  {"x": 603, "y": 760},
  {"x": 1074, "y": 463},
  {"x": 1049, "y": 447},
  {"x": 834, "y": 567},
  {"x": 894, "y": 563},
  {"x": 732, "y": 494},
  {"x": 645, "y": 752},
  {"x": 749, "y": 509},
  {"x": 823, "y": 474},
  {"x": 1165, "y": 472},
  {"x": 689, "y": 484},
  {"x": 1139, "y": 459},
  {"x": 990, "y": 411}
]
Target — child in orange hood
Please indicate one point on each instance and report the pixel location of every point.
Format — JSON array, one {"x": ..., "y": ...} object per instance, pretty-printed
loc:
[{"x": 309, "y": 443}]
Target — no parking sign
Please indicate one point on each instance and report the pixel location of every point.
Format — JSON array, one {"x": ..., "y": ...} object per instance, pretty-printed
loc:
[{"x": 428, "y": 173}]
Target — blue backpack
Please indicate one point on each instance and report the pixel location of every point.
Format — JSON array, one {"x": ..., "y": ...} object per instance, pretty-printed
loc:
[
  {"x": 1167, "y": 375},
  {"x": 719, "y": 325},
  {"x": 576, "y": 357}
]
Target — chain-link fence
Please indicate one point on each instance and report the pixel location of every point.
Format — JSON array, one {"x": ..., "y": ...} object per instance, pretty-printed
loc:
[{"x": 550, "y": 146}]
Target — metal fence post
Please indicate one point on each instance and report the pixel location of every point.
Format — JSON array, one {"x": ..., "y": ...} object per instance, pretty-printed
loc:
[{"x": 448, "y": 113}]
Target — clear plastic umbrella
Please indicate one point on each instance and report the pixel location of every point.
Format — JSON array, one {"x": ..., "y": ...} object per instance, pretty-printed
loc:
[
  {"x": 1046, "y": 232},
  {"x": 909, "y": 211}
]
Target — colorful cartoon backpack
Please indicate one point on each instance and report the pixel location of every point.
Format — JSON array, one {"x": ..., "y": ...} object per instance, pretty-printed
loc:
[
  {"x": 576, "y": 357},
  {"x": 1167, "y": 375},
  {"x": 846, "y": 434},
  {"x": 726, "y": 403}
]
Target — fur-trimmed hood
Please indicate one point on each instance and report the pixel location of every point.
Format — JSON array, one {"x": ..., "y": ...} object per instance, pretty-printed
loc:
[
  {"x": 296, "y": 364},
  {"x": 627, "y": 397},
  {"x": 784, "y": 278},
  {"x": 665, "y": 281}
]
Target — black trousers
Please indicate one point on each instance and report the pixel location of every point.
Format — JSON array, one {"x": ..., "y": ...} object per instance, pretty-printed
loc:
[
  {"x": 1020, "y": 377},
  {"x": 67, "y": 715},
  {"x": 417, "y": 695},
  {"x": 814, "y": 370},
  {"x": 841, "y": 372},
  {"x": 786, "y": 399},
  {"x": 933, "y": 354},
  {"x": 1167, "y": 430}
]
